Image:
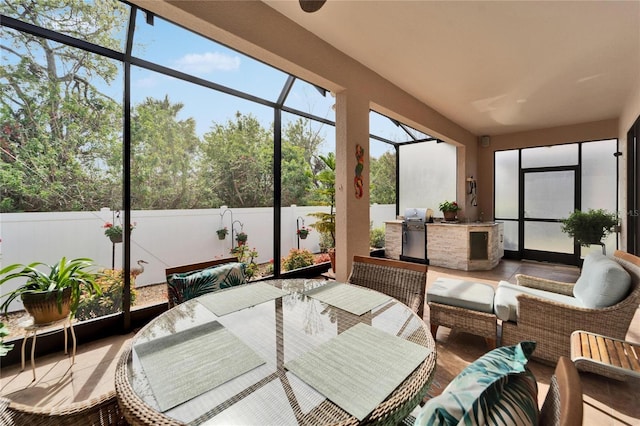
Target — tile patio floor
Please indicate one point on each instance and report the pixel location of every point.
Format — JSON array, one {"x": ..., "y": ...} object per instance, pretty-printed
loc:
[{"x": 606, "y": 402}]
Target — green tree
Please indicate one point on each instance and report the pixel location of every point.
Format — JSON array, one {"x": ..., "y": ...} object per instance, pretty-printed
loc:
[
  {"x": 297, "y": 180},
  {"x": 237, "y": 163},
  {"x": 55, "y": 120},
  {"x": 300, "y": 133},
  {"x": 163, "y": 150},
  {"x": 383, "y": 179}
]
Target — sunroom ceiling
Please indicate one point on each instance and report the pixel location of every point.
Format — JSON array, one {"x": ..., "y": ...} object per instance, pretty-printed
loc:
[{"x": 493, "y": 67}]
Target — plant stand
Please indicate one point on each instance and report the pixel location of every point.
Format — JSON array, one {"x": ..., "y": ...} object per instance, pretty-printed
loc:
[{"x": 32, "y": 329}]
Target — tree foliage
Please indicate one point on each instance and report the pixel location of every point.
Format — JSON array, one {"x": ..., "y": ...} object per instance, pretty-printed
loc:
[
  {"x": 54, "y": 118},
  {"x": 237, "y": 162},
  {"x": 383, "y": 179},
  {"x": 164, "y": 152},
  {"x": 61, "y": 133}
]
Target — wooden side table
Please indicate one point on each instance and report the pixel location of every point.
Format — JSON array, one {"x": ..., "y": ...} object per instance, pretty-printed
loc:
[
  {"x": 606, "y": 356},
  {"x": 32, "y": 330}
]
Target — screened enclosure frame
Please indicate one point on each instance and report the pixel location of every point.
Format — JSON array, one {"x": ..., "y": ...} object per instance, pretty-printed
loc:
[{"x": 128, "y": 59}]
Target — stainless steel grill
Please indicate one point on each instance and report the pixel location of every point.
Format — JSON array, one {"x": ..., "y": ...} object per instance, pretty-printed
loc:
[{"x": 414, "y": 236}]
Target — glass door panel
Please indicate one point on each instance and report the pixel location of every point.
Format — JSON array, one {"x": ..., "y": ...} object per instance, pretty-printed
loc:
[{"x": 548, "y": 197}]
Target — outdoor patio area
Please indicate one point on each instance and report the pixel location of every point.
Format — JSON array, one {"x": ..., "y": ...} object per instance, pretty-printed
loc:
[{"x": 605, "y": 401}]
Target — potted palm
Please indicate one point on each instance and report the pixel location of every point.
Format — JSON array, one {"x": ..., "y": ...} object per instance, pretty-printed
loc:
[
  {"x": 590, "y": 227},
  {"x": 326, "y": 191},
  {"x": 51, "y": 296}
]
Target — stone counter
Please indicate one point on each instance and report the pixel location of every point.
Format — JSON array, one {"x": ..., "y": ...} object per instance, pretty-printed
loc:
[
  {"x": 393, "y": 239},
  {"x": 474, "y": 246}
]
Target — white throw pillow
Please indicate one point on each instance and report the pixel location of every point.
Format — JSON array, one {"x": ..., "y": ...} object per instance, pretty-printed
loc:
[{"x": 603, "y": 282}]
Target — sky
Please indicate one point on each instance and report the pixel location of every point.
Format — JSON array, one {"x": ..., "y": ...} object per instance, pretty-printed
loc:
[
  {"x": 173, "y": 47},
  {"x": 176, "y": 48}
]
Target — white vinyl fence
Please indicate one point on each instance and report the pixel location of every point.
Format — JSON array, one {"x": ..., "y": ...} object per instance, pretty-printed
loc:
[{"x": 163, "y": 238}]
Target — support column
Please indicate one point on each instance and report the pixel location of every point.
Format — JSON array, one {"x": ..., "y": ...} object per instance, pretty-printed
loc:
[{"x": 352, "y": 180}]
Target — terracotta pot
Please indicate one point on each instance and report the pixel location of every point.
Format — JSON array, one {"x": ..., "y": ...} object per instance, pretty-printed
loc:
[
  {"x": 43, "y": 306},
  {"x": 332, "y": 256},
  {"x": 450, "y": 215}
]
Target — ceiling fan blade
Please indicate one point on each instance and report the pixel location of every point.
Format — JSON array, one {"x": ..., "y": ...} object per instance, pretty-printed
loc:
[{"x": 311, "y": 6}]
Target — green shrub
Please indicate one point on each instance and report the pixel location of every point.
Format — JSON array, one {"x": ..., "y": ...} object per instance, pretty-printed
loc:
[
  {"x": 325, "y": 241},
  {"x": 247, "y": 256},
  {"x": 297, "y": 259},
  {"x": 110, "y": 301},
  {"x": 376, "y": 237},
  {"x": 4, "y": 347}
]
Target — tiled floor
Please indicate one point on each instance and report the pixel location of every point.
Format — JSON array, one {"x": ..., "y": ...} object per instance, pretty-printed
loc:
[{"x": 606, "y": 402}]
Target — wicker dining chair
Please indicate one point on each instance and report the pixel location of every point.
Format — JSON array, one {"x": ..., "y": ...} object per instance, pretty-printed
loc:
[
  {"x": 405, "y": 281},
  {"x": 99, "y": 411}
]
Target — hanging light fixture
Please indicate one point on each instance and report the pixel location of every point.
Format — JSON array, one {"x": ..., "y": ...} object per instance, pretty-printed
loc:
[{"x": 311, "y": 6}]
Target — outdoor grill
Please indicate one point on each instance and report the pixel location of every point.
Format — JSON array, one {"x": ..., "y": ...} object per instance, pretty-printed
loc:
[{"x": 414, "y": 236}]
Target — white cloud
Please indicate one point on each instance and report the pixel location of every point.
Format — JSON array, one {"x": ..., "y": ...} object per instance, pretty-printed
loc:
[{"x": 208, "y": 62}]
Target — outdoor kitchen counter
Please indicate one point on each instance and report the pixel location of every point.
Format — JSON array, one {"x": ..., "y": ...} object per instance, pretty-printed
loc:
[
  {"x": 393, "y": 239},
  {"x": 472, "y": 246}
]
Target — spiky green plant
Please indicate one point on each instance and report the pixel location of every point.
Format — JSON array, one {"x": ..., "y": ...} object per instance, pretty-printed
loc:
[{"x": 75, "y": 274}]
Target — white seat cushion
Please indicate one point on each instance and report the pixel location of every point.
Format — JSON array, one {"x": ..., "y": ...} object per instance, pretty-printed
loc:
[
  {"x": 506, "y": 300},
  {"x": 463, "y": 294}
]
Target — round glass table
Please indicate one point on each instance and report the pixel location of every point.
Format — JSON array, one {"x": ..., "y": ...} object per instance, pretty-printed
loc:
[{"x": 278, "y": 352}]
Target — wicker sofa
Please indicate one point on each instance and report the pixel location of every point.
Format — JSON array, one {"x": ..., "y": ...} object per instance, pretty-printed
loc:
[{"x": 550, "y": 323}]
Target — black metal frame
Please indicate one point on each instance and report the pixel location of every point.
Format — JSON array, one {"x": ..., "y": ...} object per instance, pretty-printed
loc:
[
  {"x": 521, "y": 253},
  {"x": 633, "y": 188}
]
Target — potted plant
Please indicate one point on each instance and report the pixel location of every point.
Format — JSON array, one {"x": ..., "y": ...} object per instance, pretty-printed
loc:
[
  {"x": 303, "y": 232},
  {"x": 449, "y": 209},
  {"x": 590, "y": 227},
  {"x": 222, "y": 233},
  {"x": 241, "y": 238},
  {"x": 50, "y": 297},
  {"x": 114, "y": 232}
]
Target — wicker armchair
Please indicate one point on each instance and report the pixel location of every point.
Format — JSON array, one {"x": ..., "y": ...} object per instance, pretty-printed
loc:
[
  {"x": 550, "y": 324},
  {"x": 406, "y": 282},
  {"x": 99, "y": 411}
]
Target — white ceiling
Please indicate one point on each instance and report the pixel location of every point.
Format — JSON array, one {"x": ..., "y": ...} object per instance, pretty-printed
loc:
[{"x": 493, "y": 67}]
